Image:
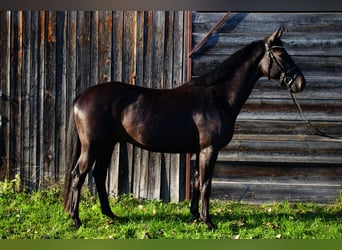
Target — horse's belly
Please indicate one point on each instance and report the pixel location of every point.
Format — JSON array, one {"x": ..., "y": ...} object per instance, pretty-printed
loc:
[{"x": 165, "y": 137}]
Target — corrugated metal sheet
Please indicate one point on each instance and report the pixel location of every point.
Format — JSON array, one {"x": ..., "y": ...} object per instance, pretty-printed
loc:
[
  {"x": 47, "y": 58},
  {"x": 269, "y": 135}
]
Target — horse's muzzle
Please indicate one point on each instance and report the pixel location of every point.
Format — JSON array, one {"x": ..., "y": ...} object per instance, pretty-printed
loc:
[{"x": 299, "y": 84}]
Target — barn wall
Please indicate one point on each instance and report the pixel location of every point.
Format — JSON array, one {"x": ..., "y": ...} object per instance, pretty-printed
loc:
[
  {"x": 48, "y": 58},
  {"x": 273, "y": 156}
]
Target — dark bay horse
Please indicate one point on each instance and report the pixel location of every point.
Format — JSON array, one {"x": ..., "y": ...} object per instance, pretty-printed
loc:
[{"x": 197, "y": 117}]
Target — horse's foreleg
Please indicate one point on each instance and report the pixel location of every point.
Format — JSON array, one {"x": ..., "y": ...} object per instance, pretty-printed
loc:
[
  {"x": 195, "y": 192},
  {"x": 207, "y": 160},
  {"x": 78, "y": 176},
  {"x": 100, "y": 173}
]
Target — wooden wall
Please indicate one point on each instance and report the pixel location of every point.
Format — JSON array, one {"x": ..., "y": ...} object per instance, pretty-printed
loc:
[
  {"x": 47, "y": 58},
  {"x": 273, "y": 156}
]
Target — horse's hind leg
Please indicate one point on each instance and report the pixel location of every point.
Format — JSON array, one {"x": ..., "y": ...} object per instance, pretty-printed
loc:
[
  {"x": 195, "y": 192},
  {"x": 100, "y": 173},
  {"x": 78, "y": 175}
]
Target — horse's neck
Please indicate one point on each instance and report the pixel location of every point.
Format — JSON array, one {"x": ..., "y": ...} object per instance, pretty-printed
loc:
[{"x": 240, "y": 86}]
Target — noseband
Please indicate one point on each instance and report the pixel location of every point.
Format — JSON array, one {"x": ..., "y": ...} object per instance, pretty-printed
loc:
[{"x": 285, "y": 77}]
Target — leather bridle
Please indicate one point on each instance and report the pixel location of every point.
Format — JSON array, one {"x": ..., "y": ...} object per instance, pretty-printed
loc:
[
  {"x": 288, "y": 80},
  {"x": 286, "y": 77}
]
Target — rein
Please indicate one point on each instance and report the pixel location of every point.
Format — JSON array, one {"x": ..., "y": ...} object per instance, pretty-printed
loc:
[
  {"x": 285, "y": 78},
  {"x": 314, "y": 130},
  {"x": 289, "y": 81}
]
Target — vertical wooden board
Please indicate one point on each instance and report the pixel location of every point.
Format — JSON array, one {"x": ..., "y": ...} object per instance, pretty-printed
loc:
[
  {"x": 83, "y": 50},
  {"x": 158, "y": 52},
  {"x": 117, "y": 34},
  {"x": 61, "y": 118},
  {"x": 33, "y": 101},
  {"x": 144, "y": 65},
  {"x": 41, "y": 98},
  {"x": 165, "y": 177},
  {"x": 113, "y": 172},
  {"x": 49, "y": 151},
  {"x": 15, "y": 113},
  {"x": 95, "y": 44},
  {"x": 148, "y": 44},
  {"x": 154, "y": 182},
  {"x": 83, "y": 60},
  {"x": 166, "y": 164},
  {"x": 71, "y": 68},
  {"x": 144, "y": 174},
  {"x": 177, "y": 80},
  {"x": 139, "y": 75},
  {"x": 5, "y": 61},
  {"x": 158, "y": 57},
  {"x": 116, "y": 73},
  {"x": 24, "y": 100},
  {"x": 129, "y": 47},
  {"x": 105, "y": 46},
  {"x": 71, "y": 37},
  {"x": 128, "y": 67}
]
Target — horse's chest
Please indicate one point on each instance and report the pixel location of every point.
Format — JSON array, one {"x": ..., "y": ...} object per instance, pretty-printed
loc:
[{"x": 214, "y": 128}]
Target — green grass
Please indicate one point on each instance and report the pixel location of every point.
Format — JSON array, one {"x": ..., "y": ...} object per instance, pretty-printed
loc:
[{"x": 40, "y": 215}]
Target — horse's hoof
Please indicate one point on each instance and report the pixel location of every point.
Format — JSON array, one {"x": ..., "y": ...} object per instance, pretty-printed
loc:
[
  {"x": 210, "y": 226},
  {"x": 195, "y": 220},
  {"x": 111, "y": 215},
  {"x": 77, "y": 223}
]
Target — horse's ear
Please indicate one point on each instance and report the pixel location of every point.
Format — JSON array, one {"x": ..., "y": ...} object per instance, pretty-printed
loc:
[{"x": 277, "y": 34}]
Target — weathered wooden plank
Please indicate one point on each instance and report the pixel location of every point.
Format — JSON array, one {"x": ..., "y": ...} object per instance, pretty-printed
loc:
[
  {"x": 144, "y": 173},
  {"x": 316, "y": 173},
  {"x": 167, "y": 84},
  {"x": 49, "y": 106},
  {"x": 139, "y": 166},
  {"x": 25, "y": 100},
  {"x": 128, "y": 71},
  {"x": 275, "y": 182},
  {"x": 296, "y": 43},
  {"x": 176, "y": 183},
  {"x": 245, "y": 129},
  {"x": 70, "y": 44},
  {"x": 319, "y": 88},
  {"x": 61, "y": 117},
  {"x": 95, "y": 41},
  {"x": 276, "y": 157},
  {"x": 16, "y": 73},
  {"x": 117, "y": 45},
  {"x": 116, "y": 71},
  {"x": 34, "y": 133},
  {"x": 157, "y": 24},
  {"x": 105, "y": 29},
  {"x": 315, "y": 65},
  {"x": 268, "y": 22},
  {"x": 263, "y": 192},
  {"x": 5, "y": 62},
  {"x": 41, "y": 97}
]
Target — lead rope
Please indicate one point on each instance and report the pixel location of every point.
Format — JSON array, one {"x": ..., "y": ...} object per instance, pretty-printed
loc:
[{"x": 314, "y": 130}]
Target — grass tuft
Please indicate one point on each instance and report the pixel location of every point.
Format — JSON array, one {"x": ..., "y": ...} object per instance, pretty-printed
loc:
[{"x": 40, "y": 215}]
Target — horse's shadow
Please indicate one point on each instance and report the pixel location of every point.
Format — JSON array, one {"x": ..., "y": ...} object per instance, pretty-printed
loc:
[{"x": 235, "y": 220}]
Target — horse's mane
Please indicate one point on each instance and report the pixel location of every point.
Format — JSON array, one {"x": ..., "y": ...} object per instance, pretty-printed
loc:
[{"x": 227, "y": 68}]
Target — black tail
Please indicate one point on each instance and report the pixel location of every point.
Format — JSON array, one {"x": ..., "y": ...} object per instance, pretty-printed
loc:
[{"x": 73, "y": 149}]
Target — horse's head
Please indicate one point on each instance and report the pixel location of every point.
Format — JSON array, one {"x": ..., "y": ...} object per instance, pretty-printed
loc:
[{"x": 278, "y": 65}]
